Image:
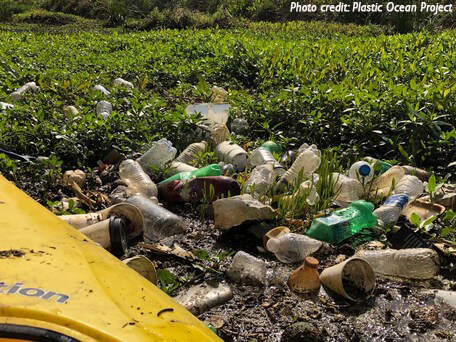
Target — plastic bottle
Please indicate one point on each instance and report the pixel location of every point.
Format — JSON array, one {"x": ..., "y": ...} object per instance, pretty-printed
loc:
[
  {"x": 233, "y": 154},
  {"x": 137, "y": 180},
  {"x": 159, "y": 154},
  {"x": 4, "y": 105},
  {"x": 307, "y": 162},
  {"x": 245, "y": 268},
  {"x": 120, "y": 82},
  {"x": 159, "y": 223},
  {"x": 305, "y": 279},
  {"x": 188, "y": 155},
  {"x": 379, "y": 166},
  {"x": 104, "y": 108},
  {"x": 413, "y": 263},
  {"x": 214, "y": 112},
  {"x": 260, "y": 156},
  {"x": 361, "y": 171},
  {"x": 102, "y": 89},
  {"x": 239, "y": 126},
  {"x": 391, "y": 209},
  {"x": 384, "y": 183},
  {"x": 210, "y": 170},
  {"x": 218, "y": 94},
  {"x": 414, "y": 171},
  {"x": 293, "y": 247},
  {"x": 261, "y": 180},
  {"x": 348, "y": 189},
  {"x": 28, "y": 87},
  {"x": 343, "y": 223},
  {"x": 272, "y": 147},
  {"x": 227, "y": 169},
  {"x": 410, "y": 186},
  {"x": 207, "y": 189},
  {"x": 177, "y": 167}
]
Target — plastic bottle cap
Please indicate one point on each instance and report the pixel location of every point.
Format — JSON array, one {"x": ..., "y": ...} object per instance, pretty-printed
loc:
[
  {"x": 364, "y": 170},
  {"x": 311, "y": 262}
]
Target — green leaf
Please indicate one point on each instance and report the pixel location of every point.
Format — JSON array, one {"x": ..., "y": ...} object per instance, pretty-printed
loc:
[
  {"x": 415, "y": 219},
  {"x": 202, "y": 254},
  {"x": 446, "y": 231},
  {"x": 429, "y": 221},
  {"x": 432, "y": 183},
  {"x": 403, "y": 152}
]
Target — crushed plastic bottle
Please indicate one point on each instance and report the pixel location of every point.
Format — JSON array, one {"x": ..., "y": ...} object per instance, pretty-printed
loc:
[
  {"x": 188, "y": 155},
  {"x": 413, "y": 263},
  {"x": 104, "y": 109},
  {"x": 261, "y": 180},
  {"x": 218, "y": 94},
  {"x": 102, "y": 89},
  {"x": 245, "y": 268},
  {"x": 423, "y": 175},
  {"x": 233, "y": 154},
  {"x": 120, "y": 82},
  {"x": 26, "y": 88},
  {"x": 361, "y": 171},
  {"x": 177, "y": 167},
  {"x": 240, "y": 126},
  {"x": 210, "y": 170},
  {"x": 291, "y": 247},
  {"x": 213, "y": 112},
  {"x": 137, "y": 180},
  {"x": 308, "y": 188},
  {"x": 343, "y": 223},
  {"x": 159, "y": 223},
  {"x": 158, "y": 155},
  {"x": 409, "y": 185},
  {"x": 260, "y": 156},
  {"x": 348, "y": 189},
  {"x": 388, "y": 213},
  {"x": 307, "y": 163},
  {"x": 383, "y": 184}
]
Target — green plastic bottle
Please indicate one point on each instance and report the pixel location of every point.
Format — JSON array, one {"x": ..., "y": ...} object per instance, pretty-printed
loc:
[
  {"x": 343, "y": 223},
  {"x": 272, "y": 147},
  {"x": 210, "y": 170}
]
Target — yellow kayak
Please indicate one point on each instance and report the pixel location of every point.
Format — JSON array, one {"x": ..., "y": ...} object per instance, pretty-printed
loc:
[{"x": 56, "y": 285}]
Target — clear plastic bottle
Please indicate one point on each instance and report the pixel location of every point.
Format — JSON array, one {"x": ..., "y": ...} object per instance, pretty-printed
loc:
[
  {"x": 361, "y": 171},
  {"x": 120, "y": 82},
  {"x": 245, "y": 268},
  {"x": 104, "y": 108},
  {"x": 137, "y": 180},
  {"x": 348, "y": 189},
  {"x": 158, "y": 155},
  {"x": 4, "y": 105},
  {"x": 218, "y": 94},
  {"x": 307, "y": 162},
  {"x": 384, "y": 183},
  {"x": 188, "y": 155},
  {"x": 233, "y": 154},
  {"x": 293, "y": 247},
  {"x": 391, "y": 209},
  {"x": 261, "y": 180},
  {"x": 239, "y": 126},
  {"x": 260, "y": 156},
  {"x": 159, "y": 223},
  {"x": 409, "y": 185},
  {"x": 28, "y": 87},
  {"x": 213, "y": 112},
  {"x": 413, "y": 263},
  {"x": 102, "y": 89}
]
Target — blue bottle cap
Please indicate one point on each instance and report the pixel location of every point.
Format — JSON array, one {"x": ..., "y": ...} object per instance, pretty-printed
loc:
[{"x": 364, "y": 170}]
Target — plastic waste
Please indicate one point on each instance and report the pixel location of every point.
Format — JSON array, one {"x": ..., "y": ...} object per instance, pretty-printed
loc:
[
  {"x": 143, "y": 266},
  {"x": 261, "y": 180},
  {"x": 343, "y": 223},
  {"x": 240, "y": 126},
  {"x": 274, "y": 233},
  {"x": 305, "y": 279},
  {"x": 158, "y": 155},
  {"x": 110, "y": 234},
  {"x": 423, "y": 209},
  {"x": 379, "y": 166},
  {"x": 203, "y": 297},
  {"x": 210, "y": 170},
  {"x": 188, "y": 155},
  {"x": 4, "y": 105},
  {"x": 413, "y": 263},
  {"x": 70, "y": 110},
  {"x": 410, "y": 186},
  {"x": 227, "y": 169},
  {"x": 159, "y": 223},
  {"x": 293, "y": 247},
  {"x": 200, "y": 189},
  {"x": 404, "y": 237},
  {"x": 306, "y": 189},
  {"x": 391, "y": 209},
  {"x": 233, "y": 154},
  {"x": 215, "y": 133},
  {"x": 347, "y": 189},
  {"x": 383, "y": 184},
  {"x": 353, "y": 279},
  {"x": 102, "y": 89},
  {"x": 138, "y": 181},
  {"x": 214, "y": 112},
  {"x": 120, "y": 82},
  {"x": 177, "y": 167},
  {"x": 423, "y": 175},
  {"x": 26, "y": 88},
  {"x": 288, "y": 158},
  {"x": 361, "y": 171},
  {"x": 76, "y": 176},
  {"x": 272, "y": 147},
  {"x": 306, "y": 163},
  {"x": 260, "y": 156},
  {"x": 245, "y": 268},
  {"x": 218, "y": 94},
  {"x": 104, "y": 108}
]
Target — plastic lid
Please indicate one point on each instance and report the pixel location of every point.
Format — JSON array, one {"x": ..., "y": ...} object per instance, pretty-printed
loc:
[{"x": 364, "y": 170}]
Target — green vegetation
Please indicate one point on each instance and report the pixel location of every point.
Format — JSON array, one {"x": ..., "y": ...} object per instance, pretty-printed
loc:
[{"x": 344, "y": 87}]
